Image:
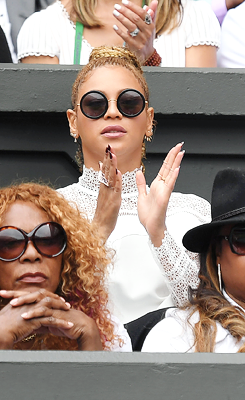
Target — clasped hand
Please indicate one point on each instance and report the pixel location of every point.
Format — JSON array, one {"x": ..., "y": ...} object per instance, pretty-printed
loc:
[{"x": 44, "y": 312}]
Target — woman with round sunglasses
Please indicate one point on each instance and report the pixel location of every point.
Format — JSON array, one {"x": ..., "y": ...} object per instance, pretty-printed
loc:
[
  {"x": 111, "y": 119},
  {"x": 52, "y": 276},
  {"x": 215, "y": 319},
  {"x": 161, "y": 33}
]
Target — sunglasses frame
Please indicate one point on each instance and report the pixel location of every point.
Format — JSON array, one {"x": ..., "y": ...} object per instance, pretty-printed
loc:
[
  {"x": 31, "y": 237},
  {"x": 117, "y": 100},
  {"x": 229, "y": 240}
]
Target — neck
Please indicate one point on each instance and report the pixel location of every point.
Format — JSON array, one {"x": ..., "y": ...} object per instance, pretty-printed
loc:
[{"x": 239, "y": 301}]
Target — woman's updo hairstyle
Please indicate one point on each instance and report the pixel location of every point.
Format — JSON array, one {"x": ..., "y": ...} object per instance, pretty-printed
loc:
[{"x": 115, "y": 56}]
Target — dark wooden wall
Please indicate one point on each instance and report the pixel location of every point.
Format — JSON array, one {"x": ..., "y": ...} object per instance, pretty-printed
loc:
[{"x": 204, "y": 108}]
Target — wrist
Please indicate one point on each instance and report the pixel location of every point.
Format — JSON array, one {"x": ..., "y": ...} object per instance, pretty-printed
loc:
[
  {"x": 90, "y": 340},
  {"x": 154, "y": 60}
]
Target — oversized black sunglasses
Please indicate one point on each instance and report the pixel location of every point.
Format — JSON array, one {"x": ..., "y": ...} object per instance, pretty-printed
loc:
[
  {"x": 130, "y": 103},
  {"x": 236, "y": 239},
  {"x": 48, "y": 238}
]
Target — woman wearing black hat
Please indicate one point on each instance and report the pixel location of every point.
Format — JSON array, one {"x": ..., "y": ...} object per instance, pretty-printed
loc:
[{"x": 214, "y": 321}]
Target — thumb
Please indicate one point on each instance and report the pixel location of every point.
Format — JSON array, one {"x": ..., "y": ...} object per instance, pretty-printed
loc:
[{"x": 141, "y": 184}]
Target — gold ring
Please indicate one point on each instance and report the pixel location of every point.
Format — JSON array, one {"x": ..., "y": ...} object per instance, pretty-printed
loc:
[{"x": 159, "y": 175}]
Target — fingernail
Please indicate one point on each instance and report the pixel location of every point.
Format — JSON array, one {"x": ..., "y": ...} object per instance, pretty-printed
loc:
[
  {"x": 182, "y": 143},
  {"x": 68, "y": 305},
  {"x": 3, "y": 291},
  {"x": 115, "y": 27},
  {"x": 13, "y": 302},
  {"x": 116, "y": 13},
  {"x": 145, "y": 7},
  {"x": 125, "y": 2},
  {"x": 110, "y": 155},
  {"x": 109, "y": 147},
  {"x": 24, "y": 315},
  {"x": 100, "y": 164},
  {"x": 183, "y": 151},
  {"x": 116, "y": 171},
  {"x": 70, "y": 324},
  {"x": 62, "y": 298},
  {"x": 117, "y": 6},
  {"x": 106, "y": 150}
]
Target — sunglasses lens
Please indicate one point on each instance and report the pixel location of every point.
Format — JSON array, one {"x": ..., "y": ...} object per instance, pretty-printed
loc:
[
  {"x": 93, "y": 105},
  {"x": 12, "y": 244},
  {"x": 50, "y": 239},
  {"x": 131, "y": 103},
  {"x": 238, "y": 240}
]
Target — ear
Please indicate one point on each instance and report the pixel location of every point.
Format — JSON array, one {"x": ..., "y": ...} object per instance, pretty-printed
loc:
[
  {"x": 72, "y": 118},
  {"x": 149, "y": 124}
]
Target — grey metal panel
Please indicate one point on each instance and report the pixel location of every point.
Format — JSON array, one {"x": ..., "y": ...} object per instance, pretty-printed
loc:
[{"x": 109, "y": 376}]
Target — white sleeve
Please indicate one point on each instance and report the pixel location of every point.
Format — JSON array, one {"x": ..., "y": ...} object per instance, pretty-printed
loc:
[
  {"x": 123, "y": 334},
  {"x": 171, "y": 335},
  {"x": 201, "y": 25},
  {"x": 36, "y": 36},
  {"x": 179, "y": 266},
  {"x": 232, "y": 49}
]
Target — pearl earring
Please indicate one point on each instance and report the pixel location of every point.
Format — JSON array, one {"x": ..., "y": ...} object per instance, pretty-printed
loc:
[{"x": 74, "y": 136}]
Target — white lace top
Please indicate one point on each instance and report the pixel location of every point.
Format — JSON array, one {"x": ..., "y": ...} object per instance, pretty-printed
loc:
[
  {"x": 50, "y": 32},
  {"x": 145, "y": 278}
]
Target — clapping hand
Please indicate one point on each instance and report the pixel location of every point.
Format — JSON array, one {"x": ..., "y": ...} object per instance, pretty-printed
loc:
[{"x": 152, "y": 207}]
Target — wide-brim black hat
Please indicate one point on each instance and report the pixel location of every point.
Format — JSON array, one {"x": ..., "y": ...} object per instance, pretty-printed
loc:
[{"x": 227, "y": 207}]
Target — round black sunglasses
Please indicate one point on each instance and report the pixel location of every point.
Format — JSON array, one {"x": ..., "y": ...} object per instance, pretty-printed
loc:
[
  {"x": 49, "y": 239},
  {"x": 130, "y": 103}
]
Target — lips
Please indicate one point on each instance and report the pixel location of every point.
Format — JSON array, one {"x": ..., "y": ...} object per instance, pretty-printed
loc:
[
  {"x": 113, "y": 131},
  {"x": 37, "y": 277}
]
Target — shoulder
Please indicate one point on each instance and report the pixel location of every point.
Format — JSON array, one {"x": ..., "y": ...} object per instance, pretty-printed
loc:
[
  {"x": 172, "y": 334},
  {"x": 200, "y": 24},
  {"x": 190, "y": 204}
]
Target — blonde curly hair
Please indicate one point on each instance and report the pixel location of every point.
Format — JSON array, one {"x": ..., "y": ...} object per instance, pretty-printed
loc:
[{"x": 85, "y": 261}]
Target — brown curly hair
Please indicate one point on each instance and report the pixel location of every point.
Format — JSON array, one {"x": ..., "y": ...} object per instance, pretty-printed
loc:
[
  {"x": 85, "y": 261},
  {"x": 212, "y": 306}
]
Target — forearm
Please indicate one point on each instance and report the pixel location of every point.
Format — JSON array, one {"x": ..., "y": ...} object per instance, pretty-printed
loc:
[{"x": 179, "y": 267}]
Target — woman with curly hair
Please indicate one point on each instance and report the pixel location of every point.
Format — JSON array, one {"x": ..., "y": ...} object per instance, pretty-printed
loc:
[
  {"x": 176, "y": 33},
  {"x": 215, "y": 319},
  {"x": 52, "y": 276}
]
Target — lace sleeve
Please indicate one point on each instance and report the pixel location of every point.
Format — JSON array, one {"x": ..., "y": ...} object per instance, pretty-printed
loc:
[{"x": 179, "y": 266}]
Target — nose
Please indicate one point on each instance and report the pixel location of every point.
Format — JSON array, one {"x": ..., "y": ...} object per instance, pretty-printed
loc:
[
  {"x": 112, "y": 111},
  {"x": 31, "y": 254}
]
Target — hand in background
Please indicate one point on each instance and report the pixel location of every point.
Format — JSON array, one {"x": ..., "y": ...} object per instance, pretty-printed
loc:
[{"x": 132, "y": 16}]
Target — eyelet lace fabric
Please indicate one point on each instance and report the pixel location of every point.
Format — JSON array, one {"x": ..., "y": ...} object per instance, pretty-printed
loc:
[{"x": 178, "y": 268}]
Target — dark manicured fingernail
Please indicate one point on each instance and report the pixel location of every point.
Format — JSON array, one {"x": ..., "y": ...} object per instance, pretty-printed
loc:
[
  {"x": 109, "y": 147},
  {"x": 106, "y": 150},
  {"x": 110, "y": 155},
  {"x": 116, "y": 171}
]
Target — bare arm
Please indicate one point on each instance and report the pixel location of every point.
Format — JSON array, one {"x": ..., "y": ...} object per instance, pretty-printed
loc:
[
  {"x": 202, "y": 56},
  {"x": 40, "y": 60}
]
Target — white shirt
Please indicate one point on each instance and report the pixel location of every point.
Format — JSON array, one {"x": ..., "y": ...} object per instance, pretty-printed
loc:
[
  {"x": 6, "y": 26},
  {"x": 51, "y": 33},
  {"x": 143, "y": 277},
  {"x": 175, "y": 335},
  {"x": 232, "y": 50}
]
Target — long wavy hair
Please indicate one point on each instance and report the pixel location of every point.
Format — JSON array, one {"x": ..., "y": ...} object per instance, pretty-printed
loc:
[
  {"x": 85, "y": 261},
  {"x": 212, "y": 306},
  {"x": 112, "y": 56},
  {"x": 169, "y": 14}
]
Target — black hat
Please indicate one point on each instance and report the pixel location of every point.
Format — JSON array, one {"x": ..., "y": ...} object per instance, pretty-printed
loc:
[{"x": 227, "y": 207}]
